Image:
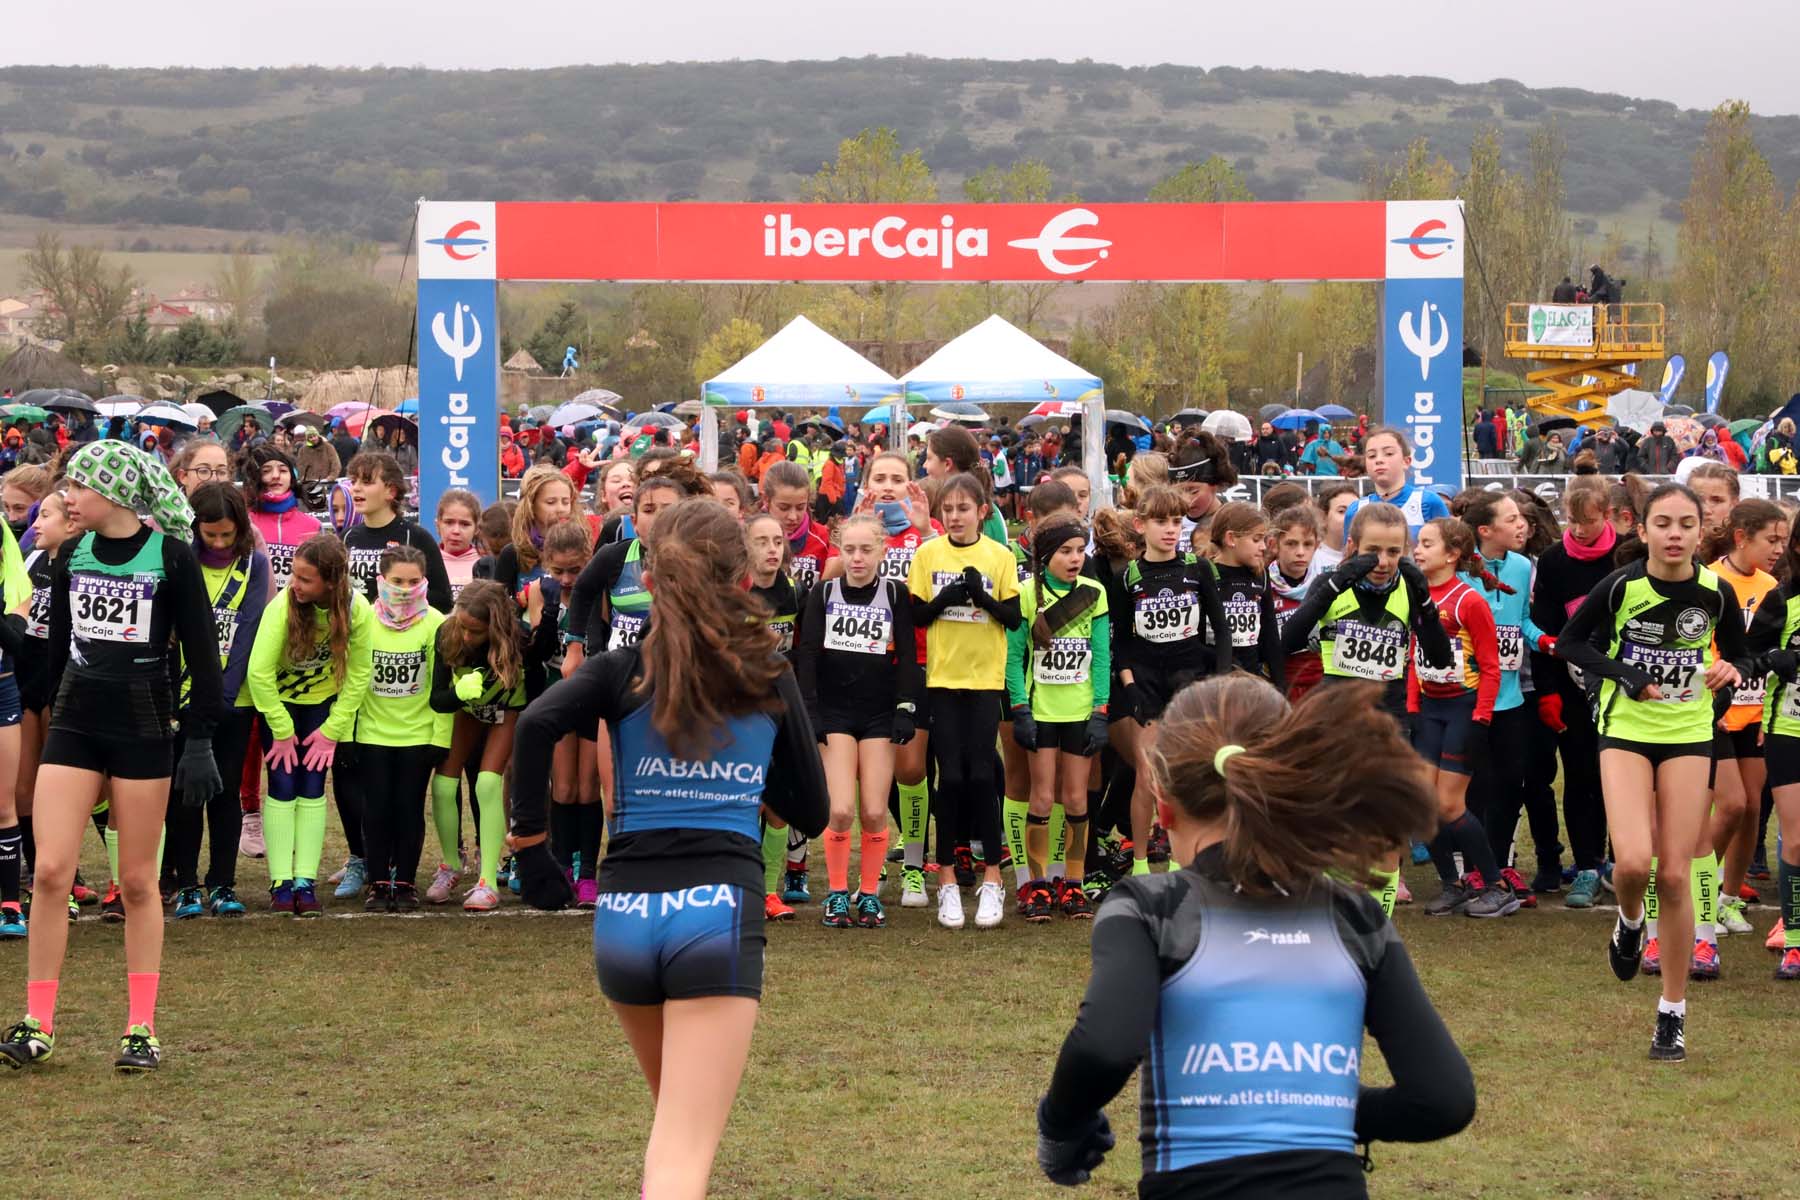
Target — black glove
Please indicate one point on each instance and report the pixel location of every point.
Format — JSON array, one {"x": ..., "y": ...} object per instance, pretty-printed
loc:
[
  {"x": 1417, "y": 587},
  {"x": 975, "y": 584},
  {"x": 1096, "y": 732},
  {"x": 197, "y": 775},
  {"x": 904, "y": 727},
  {"x": 1134, "y": 701},
  {"x": 542, "y": 883},
  {"x": 1349, "y": 571},
  {"x": 951, "y": 595},
  {"x": 1784, "y": 663},
  {"x": 1024, "y": 727},
  {"x": 1073, "y": 1160}
]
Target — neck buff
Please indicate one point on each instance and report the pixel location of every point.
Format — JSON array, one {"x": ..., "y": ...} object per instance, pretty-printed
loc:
[
  {"x": 278, "y": 502},
  {"x": 893, "y": 517},
  {"x": 398, "y": 607},
  {"x": 1601, "y": 547},
  {"x": 215, "y": 558},
  {"x": 800, "y": 534}
]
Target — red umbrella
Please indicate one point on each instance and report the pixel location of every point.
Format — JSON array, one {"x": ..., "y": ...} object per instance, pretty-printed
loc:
[{"x": 355, "y": 422}]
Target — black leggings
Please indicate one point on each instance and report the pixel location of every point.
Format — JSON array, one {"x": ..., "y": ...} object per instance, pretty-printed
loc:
[
  {"x": 222, "y": 816},
  {"x": 1515, "y": 760},
  {"x": 963, "y": 727},
  {"x": 347, "y": 788},
  {"x": 395, "y": 780},
  {"x": 1584, "y": 808}
]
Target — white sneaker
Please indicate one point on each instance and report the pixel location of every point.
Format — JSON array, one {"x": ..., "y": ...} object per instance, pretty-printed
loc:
[
  {"x": 441, "y": 885},
  {"x": 950, "y": 914},
  {"x": 912, "y": 888},
  {"x": 250, "y": 841},
  {"x": 1731, "y": 919},
  {"x": 990, "y": 905}
]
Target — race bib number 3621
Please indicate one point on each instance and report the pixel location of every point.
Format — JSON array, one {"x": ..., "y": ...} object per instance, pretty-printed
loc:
[{"x": 104, "y": 609}]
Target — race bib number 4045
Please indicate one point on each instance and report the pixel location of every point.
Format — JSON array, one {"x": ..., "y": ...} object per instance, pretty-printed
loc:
[
  {"x": 111, "y": 610},
  {"x": 858, "y": 628}
]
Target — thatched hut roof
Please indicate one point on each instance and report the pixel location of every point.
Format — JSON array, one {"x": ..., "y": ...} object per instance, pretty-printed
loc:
[
  {"x": 522, "y": 361},
  {"x": 34, "y": 366},
  {"x": 386, "y": 387}
]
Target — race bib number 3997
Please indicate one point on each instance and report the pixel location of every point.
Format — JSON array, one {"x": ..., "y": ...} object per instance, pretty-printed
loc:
[
  {"x": 1163, "y": 619},
  {"x": 104, "y": 609}
]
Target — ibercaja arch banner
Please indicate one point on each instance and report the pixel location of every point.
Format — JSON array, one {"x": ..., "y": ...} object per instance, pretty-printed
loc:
[{"x": 1414, "y": 249}]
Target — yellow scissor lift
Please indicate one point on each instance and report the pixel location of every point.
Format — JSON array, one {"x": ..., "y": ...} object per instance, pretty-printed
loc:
[{"x": 1624, "y": 335}]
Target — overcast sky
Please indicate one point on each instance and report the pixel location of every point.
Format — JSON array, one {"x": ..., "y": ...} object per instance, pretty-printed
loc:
[{"x": 1693, "y": 54}]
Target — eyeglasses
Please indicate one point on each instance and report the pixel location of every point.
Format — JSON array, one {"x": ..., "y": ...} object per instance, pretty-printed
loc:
[{"x": 208, "y": 472}]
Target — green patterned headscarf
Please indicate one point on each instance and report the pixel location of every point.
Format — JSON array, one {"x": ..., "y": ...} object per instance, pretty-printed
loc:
[{"x": 135, "y": 480}]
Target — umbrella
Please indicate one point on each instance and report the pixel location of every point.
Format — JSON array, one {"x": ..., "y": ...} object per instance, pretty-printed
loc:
[
  {"x": 1685, "y": 432},
  {"x": 1188, "y": 416},
  {"x": 275, "y": 408},
  {"x": 1131, "y": 420},
  {"x": 667, "y": 406},
  {"x": 1679, "y": 410},
  {"x": 200, "y": 412},
  {"x": 1552, "y": 424},
  {"x": 654, "y": 420},
  {"x": 347, "y": 407},
  {"x": 689, "y": 408},
  {"x": 1059, "y": 408},
  {"x": 607, "y": 402},
  {"x": 24, "y": 412},
  {"x": 1745, "y": 425},
  {"x": 1233, "y": 426},
  {"x": 1269, "y": 412},
  {"x": 1335, "y": 412},
  {"x": 824, "y": 425},
  {"x": 921, "y": 428},
  {"x": 539, "y": 412},
  {"x": 573, "y": 413},
  {"x": 165, "y": 414},
  {"x": 881, "y": 414},
  {"x": 232, "y": 419},
  {"x": 37, "y": 396},
  {"x": 218, "y": 400},
  {"x": 70, "y": 402},
  {"x": 396, "y": 421},
  {"x": 294, "y": 420},
  {"x": 1712, "y": 420},
  {"x": 1634, "y": 409},
  {"x": 960, "y": 411},
  {"x": 356, "y": 422},
  {"x": 1298, "y": 418},
  {"x": 408, "y": 407},
  {"x": 120, "y": 406}
]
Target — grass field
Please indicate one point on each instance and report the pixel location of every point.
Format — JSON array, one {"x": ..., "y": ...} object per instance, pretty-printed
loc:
[{"x": 472, "y": 1056}]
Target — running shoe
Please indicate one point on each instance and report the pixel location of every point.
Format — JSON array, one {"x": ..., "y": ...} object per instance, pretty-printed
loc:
[
  {"x": 1731, "y": 918},
  {"x": 1548, "y": 880},
  {"x": 380, "y": 898},
  {"x": 912, "y": 888},
  {"x": 1749, "y": 895},
  {"x": 352, "y": 879},
  {"x": 405, "y": 898},
  {"x": 443, "y": 882},
  {"x": 1705, "y": 963},
  {"x": 1669, "y": 1044},
  {"x": 1095, "y": 887},
  {"x": 1652, "y": 957},
  {"x": 837, "y": 911},
  {"x": 306, "y": 899},
  {"x": 965, "y": 867},
  {"x": 775, "y": 910},
  {"x": 1777, "y": 939},
  {"x": 1453, "y": 899},
  {"x": 223, "y": 902},
  {"x": 896, "y": 852},
  {"x": 1496, "y": 901},
  {"x": 1118, "y": 861},
  {"x": 281, "y": 899},
  {"x": 1584, "y": 891},
  {"x": 12, "y": 922},
  {"x": 1074, "y": 902},
  {"x": 26, "y": 1043},
  {"x": 1517, "y": 883},
  {"x": 83, "y": 894},
  {"x": 1789, "y": 967},
  {"x": 1402, "y": 894},
  {"x": 950, "y": 908},
  {"x": 74, "y": 908},
  {"x": 503, "y": 877},
  {"x": 337, "y": 876},
  {"x": 113, "y": 907},
  {"x": 587, "y": 894},
  {"x": 869, "y": 913},
  {"x": 1606, "y": 873},
  {"x": 139, "y": 1051},
  {"x": 1421, "y": 854},
  {"x": 990, "y": 905},
  {"x": 250, "y": 841},
  {"x": 1035, "y": 903},
  {"x": 1159, "y": 845},
  {"x": 189, "y": 902},
  {"x": 1625, "y": 950},
  {"x": 481, "y": 898},
  {"x": 793, "y": 886}
]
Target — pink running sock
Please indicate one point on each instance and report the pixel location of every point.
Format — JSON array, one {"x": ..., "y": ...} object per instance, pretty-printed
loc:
[
  {"x": 142, "y": 989},
  {"x": 40, "y": 1002},
  {"x": 837, "y": 860},
  {"x": 874, "y": 853}
]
